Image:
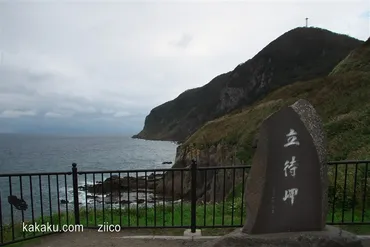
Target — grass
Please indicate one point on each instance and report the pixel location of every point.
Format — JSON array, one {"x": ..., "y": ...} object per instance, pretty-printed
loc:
[
  {"x": 342, "y": 101},
  {"x": 358, "y": 59},
  {"x": 209, "y": 215}
]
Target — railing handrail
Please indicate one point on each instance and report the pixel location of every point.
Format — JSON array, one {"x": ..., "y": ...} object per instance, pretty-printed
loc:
[
  {"x": 222, "y": 167},
  {"x": 134, "y": 170},
  {"x": 343, "y": 162},
  {"x": 34, "y": 174}
]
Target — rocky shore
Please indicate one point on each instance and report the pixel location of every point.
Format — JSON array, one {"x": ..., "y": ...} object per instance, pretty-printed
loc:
[{"x": 125, "y": 190}]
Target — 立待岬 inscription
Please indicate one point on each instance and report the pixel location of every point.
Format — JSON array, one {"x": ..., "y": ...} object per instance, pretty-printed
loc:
[
  {"x": 291, "y": 165},
  {"x": 287, "y": 185}
]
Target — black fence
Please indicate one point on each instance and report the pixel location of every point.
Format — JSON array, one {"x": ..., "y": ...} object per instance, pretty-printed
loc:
[{"x": 37, "y": 204}]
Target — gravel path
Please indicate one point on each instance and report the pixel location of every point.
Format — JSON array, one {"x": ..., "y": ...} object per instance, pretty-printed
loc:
[
  {"x": 366, "y": 243},
  {"x": 90, "y": 238}
]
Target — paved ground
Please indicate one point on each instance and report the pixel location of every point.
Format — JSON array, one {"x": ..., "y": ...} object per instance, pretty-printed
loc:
[
  {"x": 91, "y": 238},
  {"x": 366, "y": 243}
]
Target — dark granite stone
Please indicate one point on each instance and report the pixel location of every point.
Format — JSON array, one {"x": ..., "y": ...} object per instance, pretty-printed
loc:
[
  {"x": 329, "y": 237},
  {"x": 286, "y": 189}
]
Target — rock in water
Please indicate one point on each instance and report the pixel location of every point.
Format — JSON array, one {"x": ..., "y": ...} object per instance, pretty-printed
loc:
[{"x": 287, "y": 184}]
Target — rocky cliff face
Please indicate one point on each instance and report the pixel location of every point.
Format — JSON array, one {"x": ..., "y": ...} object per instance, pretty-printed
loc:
[
  {"x": 341, "y": 100},
  {"x": 177, "y": 119},
  {"x": 212, "y": 185},
  {"x": 298, "y": 55}
]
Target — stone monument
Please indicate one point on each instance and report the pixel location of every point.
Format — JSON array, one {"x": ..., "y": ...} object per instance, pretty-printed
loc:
[{"x": 287, "y": 186}]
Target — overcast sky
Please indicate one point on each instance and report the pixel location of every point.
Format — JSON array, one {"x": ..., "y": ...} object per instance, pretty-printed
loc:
[{"x": 101, "y": 66}]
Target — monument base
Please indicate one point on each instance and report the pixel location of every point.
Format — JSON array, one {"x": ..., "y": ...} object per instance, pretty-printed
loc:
[{"x": 329, "y": 237}]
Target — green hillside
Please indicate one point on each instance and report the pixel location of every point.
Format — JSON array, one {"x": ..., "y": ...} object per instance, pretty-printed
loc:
[
  {"x": 342, "y": 99},
  {"x": 300, "y": 54},
  {"x": 358, "y": 60}
]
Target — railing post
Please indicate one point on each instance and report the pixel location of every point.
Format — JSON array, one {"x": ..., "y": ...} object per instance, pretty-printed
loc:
[
  {"x": 75, "y": 193},
  {"x": 193, "y": 196},
  {"x": 1, "y": 224}
]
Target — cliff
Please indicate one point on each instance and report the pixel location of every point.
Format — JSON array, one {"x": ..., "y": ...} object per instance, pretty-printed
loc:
[
  {"x": 298, "y": 55},
  {"x": 341, "y": 99}
]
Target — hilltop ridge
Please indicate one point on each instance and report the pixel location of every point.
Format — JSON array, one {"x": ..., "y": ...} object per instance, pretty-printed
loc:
[
  {"x": 342, "y": 100},
  {"x": 357, "y": 60},
  {"x": 300, "y": 54}
]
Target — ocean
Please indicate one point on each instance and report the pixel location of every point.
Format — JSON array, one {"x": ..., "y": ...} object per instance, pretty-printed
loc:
[{"x": 39, "y": 153}]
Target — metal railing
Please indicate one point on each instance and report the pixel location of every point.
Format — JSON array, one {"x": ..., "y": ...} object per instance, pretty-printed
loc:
[{"x": 36, "y": 204}]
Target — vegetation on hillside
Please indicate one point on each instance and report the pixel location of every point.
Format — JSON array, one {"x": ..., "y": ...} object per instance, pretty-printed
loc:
[
  {"x": 299, "y": 54},
  {"x": 342, "y": 101},
  {"x": 357, "y": 60}
]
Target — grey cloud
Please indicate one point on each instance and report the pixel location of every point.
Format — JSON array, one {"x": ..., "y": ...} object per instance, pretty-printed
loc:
[
  {"x": 122, "y": 114},
  {"x": 16, "y": 113},
  {"x": 107, "y": 111},
  {"x": 55, "y": 115},
  {"x": 183, "y": 42},
  {"x": 102, "y": 67}
]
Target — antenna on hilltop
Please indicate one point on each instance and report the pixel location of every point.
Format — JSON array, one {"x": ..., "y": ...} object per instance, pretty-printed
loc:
[{"x": 306, "y": 22}]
